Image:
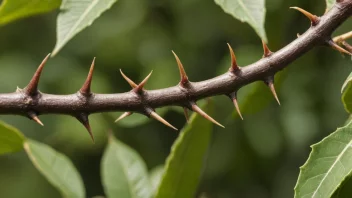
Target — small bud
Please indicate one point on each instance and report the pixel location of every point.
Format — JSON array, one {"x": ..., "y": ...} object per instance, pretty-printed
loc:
[
  {"x": 85, "y": 90},
  {"x": 34, "y": 117},
  {"x": 234, "y": 65},
  {"x": 83, "y": 118},
  {"x": 184, "y": 77},
  {"x": 313, "y": 18},
  {"x": 124, "y": 115},
  {"x": 267, "y": 51},
  {"x": 198, "y": 110},
  {"x": 32, "y": 87}
]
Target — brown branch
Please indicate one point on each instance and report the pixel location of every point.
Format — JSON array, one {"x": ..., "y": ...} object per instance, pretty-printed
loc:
[{"x": 30, "y": 102}]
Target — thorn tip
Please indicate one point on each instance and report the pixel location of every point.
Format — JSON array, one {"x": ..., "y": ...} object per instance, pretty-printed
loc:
[
  {"x": 85, "y": 90},
  {"x": 338, "y": 48},
  {"x": 195, "y": 108},
  {"x": 270, "y": 83},
  {"x": 35, "y": 118},
  {"x": 83, "y": 118},
  {"x": 122, "y": 116},
  {"x": 266, "y": 49},
  {"x": 154, "y": 115},
  {"x": 235, "y": 102},
  {"x": 313, "y": 18},
  {"x": 141, "y": 85},
  {"x": 32, "y": 87},
  {"x": 184, "y": 77},
  {"x": 234, "y": 65},
  {"x": 132, "y": 84}
]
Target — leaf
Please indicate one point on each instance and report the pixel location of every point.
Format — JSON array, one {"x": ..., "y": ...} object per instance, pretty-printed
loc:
[
  {"x": 56, "y": 168},
  {"x": 155, "y": 177},
  {"x": 124, "y": 172},
  {"x": 11, "y": 140},
  {"x": 346, "y": 91},
  {"x": 250, "y": 11},
  {"x": 329, "y": 4},
  {"x": 12, "y": 10},
  {"x": 76, "y": 15},
  {"x": 184, "y": 164},
  {"x": 329, "y": 163}
]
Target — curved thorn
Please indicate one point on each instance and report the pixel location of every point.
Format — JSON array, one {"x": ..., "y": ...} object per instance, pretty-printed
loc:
[
  {"x": 338, "y": 48},
  {"x": 160, "y": 119},
  {"x": 85, "y": 90},
  {"x": 234, "y": 65},
  {"x": 313, "y": 18},
  {"x": 184, "y": 77},
  {"x": 32, "y": 87},
  {"x": 235, "y": 102},
  {"x": 124, "y": 115},
  {"x": 34, "y": 117},
  {"x": 83, "y": 118},
  {"x": 185, "y": 111},
  {"x": 270, "y": 82},
  {"x": 195, "y": 108},
  {"x": 133, "y": 85},
  {"x": 141, "y": 85},
  {"x": 267, "y": 51}
]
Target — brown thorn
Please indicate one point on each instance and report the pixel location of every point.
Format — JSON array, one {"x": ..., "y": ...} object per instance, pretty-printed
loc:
[
  {"x": 85, "y": 90},
  {"x": 32, "y": 87},
  {"x": 234, "y": 65},
  {"x": 142, "y": 84},
  {"x": 313, "y": 18},
  {"x": 160, "y": 119},
  {"x": 133, "y": 85},
  {"x": 83, "y": 118},
  {"x": 124, "y": 115},
  {"x": 338, "y": 48},
  {"x": 195, "y": 108},
  {"x": 34, "y": 117},
  {"x": 235, "y": 102},
  {"x": 270, "y": 82},
  {"x": 347, "y": 46},
  {"x": 184, "y": 77},
  {"x": 185, "y": 111},
  {"x": 267, "y": 51}
]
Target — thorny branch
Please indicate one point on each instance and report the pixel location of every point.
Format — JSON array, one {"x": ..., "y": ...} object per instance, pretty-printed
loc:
[{"x": 31, "y": 103}]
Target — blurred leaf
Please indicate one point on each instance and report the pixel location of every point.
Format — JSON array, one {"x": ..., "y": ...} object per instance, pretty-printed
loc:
[
  {"x": 56, "y": 168},
  {"x": 124, "y": 172},
  {"x": 11, "y": 140},
  {"x": 155, "y": 177},
  {"x": 250, "y": 11},
  {"x": 329, "y": 163},
  {"x": 76, "y": 15},
  {"x": 184, "y": 164},
  {"x": 329, "y": 4},
  {"x": 346, "y": 91},
  {"x": 11, "y": 10}
]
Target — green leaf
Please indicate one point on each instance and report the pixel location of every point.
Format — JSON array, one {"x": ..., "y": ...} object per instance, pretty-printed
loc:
[
  {"x": 250, "y": 11},
  {"x": 329, "y": 163},
  {"x": 11, "y": 140},
  {"x": 347, "y": 94},
  {"x": 329, "y": 4},
  {"x": 56, "y": 168},
  {"x": 76, "y": 15},
  {"x": 11, "y": 10},
  {"x": 124, "y": 172},
  {"x": 155, "y": 176},
  {"x": 185, "y": 162}
]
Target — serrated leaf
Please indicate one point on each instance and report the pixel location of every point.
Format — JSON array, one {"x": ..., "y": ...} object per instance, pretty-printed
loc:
[
  {"x": 329, "y": 4},
  {"x": 346, "y": 91},
  {"x": 124, "y": 173},
  {"x": 184, "y": 164},
  {"x": 11, "y": 10},
  {"x": 56, "y": 168},
  {"x": 11, "y": 140},
  {"x": 76, "y": 15},
  {"x": 329, "y": 163},
  {"x": 250, "y": 11}
]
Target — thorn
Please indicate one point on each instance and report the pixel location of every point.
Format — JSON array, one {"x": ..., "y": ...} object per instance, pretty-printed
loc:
[
  {"x": 34, "y": 117},
  {"x": 195, "y": 108},
  {"x": 233, "y": 96},
  {"x": 267, "y": 51},
  {"x": 313, "y": 18},
  {"x": 270, "y": 82},
  {"x": 184, "y": 77},
  {"x": 185, "y": 110},
  {"x": 32, "y": 87},
  {"x": 347, "y": 46},
  {"x": 234, "y": 65},
  {"x": 298, "y": 35},
  {"x": 160, "y": 119},
  {"x": 133, "y": 85},
  {"x": 83, "y": 118},
  {"x": 85, "y": 90},
  {"x": 124, "y": 115},
  {"x": 141, "y": 85},
  {"x": 338, "y": 48}
]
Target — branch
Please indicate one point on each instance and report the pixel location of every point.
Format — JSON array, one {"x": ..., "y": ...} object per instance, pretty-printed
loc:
[{"x": 31, "y": 103}]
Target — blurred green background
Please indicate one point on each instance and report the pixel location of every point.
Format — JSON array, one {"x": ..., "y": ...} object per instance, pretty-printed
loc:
[{"x": 257, "y": 157}]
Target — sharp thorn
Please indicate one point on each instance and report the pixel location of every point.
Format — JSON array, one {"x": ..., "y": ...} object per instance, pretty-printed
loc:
[
  {"x": 234, "y": 65},
  {"x": 313, "y": 18},
  {"x": 185, "y": 111},
  {"x": 338, "y": 48},
  {"x": 195, "y": 108},
  {"x": 184, "y": 77},
  {"x": 85, "y": 90},
  {"x": 235, "y": 102},
  {"x": 160, "y": 119},
  {"x": 32, "y": 87},
  {"x": 34, "y": 117},
  {"x": 83, "y": 118},
  {"x": 347, "y": 46},
  {"x": 267, "y": 51},
  {"x": 124, "y": 115},
  {"x": 142, "y": 84},
  {"x": 270, "y": 83},
  {"x": 133, "y": 85}
]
